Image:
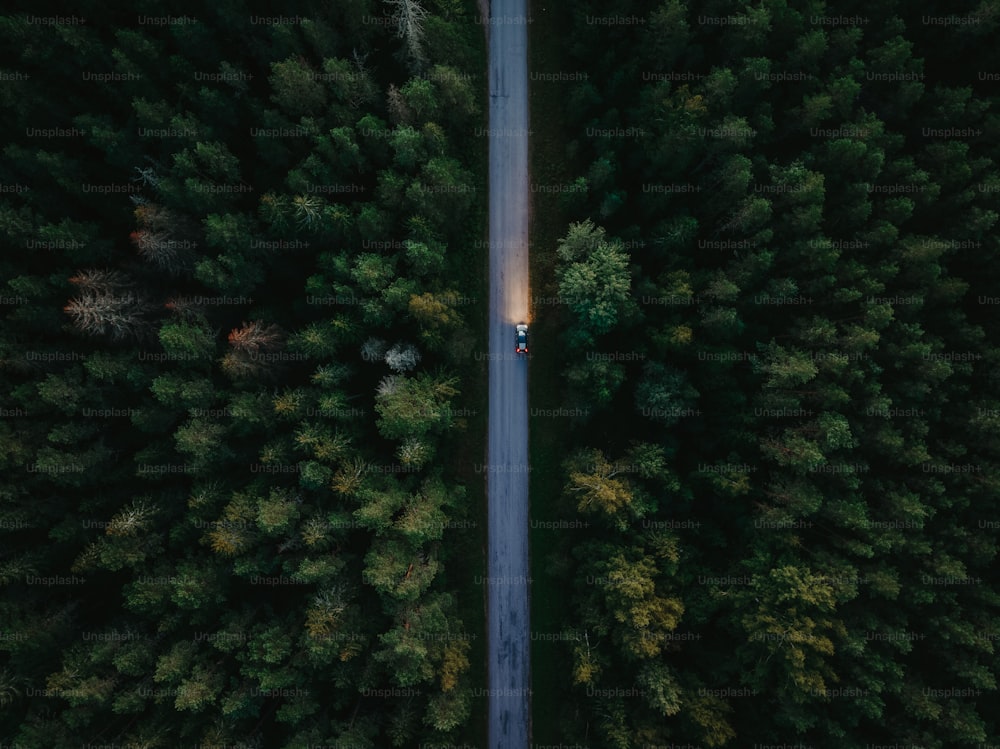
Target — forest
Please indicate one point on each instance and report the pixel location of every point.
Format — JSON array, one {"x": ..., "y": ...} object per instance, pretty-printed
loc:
[
  {"x": 242, "y": 290},
  {"x": 772, "y": 294},
  {"x": 242, "y": 280}
]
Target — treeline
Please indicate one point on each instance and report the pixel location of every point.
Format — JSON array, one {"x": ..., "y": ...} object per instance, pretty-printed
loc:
[
  {"x": 241, "y": 284},
  {"x": 779, "y": 312}
]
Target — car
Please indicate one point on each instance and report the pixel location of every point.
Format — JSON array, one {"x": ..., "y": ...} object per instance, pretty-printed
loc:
[{"x": 521, "y": 339}]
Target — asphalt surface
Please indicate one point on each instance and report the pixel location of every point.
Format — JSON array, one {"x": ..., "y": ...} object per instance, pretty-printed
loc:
[{"x": 507, "y": 451}]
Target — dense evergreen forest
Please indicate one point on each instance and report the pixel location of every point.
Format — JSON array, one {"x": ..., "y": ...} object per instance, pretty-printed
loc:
[
  {"x": 242, "y": 288},
  {"x": 777, "y": 296},
  {"x": 242, "y": 281}
]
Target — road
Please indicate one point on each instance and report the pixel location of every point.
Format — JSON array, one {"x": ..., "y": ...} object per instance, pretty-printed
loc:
[{"x": 507, "y": 450}]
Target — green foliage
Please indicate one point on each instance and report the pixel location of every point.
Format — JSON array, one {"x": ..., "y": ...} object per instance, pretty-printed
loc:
[
  {"x": 175, "y": 390},
  {"x": 414, "y": 406},
  {"x": 296, "y": 88},
  {"x": 187, "y": 341},
  {"x": 193, "y": 498},
  {"x": 594, "y": 278},
  {"x": 805, "y": 239}
]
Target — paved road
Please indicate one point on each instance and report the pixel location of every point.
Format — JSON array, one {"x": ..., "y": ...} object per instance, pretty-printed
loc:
[{"x": 507, "y": 458}]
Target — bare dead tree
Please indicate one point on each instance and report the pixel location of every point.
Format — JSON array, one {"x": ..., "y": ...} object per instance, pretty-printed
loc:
[
  {"x": 159, "y": 237},
  {"x": 253, "y": 346},
  {"x": 410, "y": 16},
  {"x": 99, "y": 281},
  {"x": 256, "y": 337},
  {"x": 185, "y": 307},
  {"x": 399, "y": 111},
  {"x": 156, "y": 247},
  {"x": 119, "y": 315}
]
